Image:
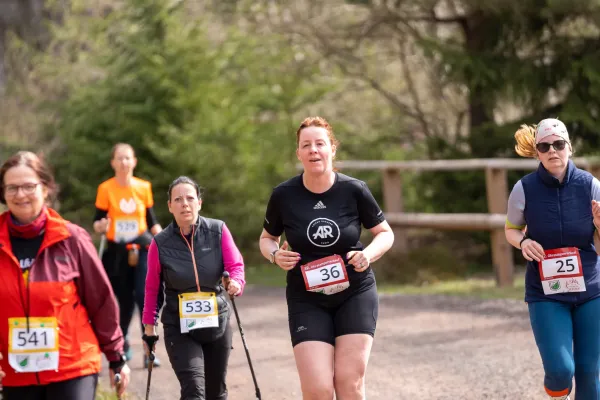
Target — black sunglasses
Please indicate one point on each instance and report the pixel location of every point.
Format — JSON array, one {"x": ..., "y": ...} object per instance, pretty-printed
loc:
[{"x": 545, "y": 147}]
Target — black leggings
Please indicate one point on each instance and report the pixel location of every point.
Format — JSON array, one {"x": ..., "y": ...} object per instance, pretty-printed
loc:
[
  {"x": 128, "y": 283},
  {"x": 201, "y": 368},
  {"x": 319, "y": 317},
  {"x": 82, "y": 388}
]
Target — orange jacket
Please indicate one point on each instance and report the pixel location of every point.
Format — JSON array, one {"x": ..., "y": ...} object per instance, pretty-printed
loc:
[{"x": 66, "y": 281}]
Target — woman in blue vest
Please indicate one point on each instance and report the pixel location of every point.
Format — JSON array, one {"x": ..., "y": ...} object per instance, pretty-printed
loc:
[
  {"x": 553, "y": 217},
  {"x": 188, "y": 258}
]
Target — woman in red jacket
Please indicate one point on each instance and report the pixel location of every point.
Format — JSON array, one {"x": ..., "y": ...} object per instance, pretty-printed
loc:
[{"x": 58, "y": 310}]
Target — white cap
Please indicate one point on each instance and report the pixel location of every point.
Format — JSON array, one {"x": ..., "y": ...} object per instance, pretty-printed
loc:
[{"x": 551, "y": 126}]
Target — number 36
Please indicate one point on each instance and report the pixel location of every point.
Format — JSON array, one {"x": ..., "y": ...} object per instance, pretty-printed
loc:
[{"x": 329, "y": 273}]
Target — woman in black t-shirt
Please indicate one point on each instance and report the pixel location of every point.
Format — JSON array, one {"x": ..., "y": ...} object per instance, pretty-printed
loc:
[{"x": 331, "y": 292}]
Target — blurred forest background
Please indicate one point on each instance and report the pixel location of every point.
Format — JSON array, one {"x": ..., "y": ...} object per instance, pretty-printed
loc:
[{"x": 216, "y": 89}]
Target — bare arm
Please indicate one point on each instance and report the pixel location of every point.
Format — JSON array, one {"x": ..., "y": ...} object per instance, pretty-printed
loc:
[
  {"x": 596, "y": 216},
  {"x": 514, "y": 236},
  {"x": 268, "y": 244},
  {"x": 383, "y": 239},
  {"x": 530, "y": 249},
  {"x": 284, "y": 258}
]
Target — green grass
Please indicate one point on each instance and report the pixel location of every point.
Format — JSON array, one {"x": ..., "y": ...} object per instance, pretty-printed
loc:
[
  {"x": 104, "y": 394},
  {"x": 265, "y": 275},
  {"x": 485, "y": 288}
]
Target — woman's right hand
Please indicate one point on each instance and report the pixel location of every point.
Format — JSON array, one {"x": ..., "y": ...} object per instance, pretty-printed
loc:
[
  {"x": 149, "y": 338},
  {"x": 101, "y": 226},
  {"x": 532, "y": 250},
  {"x": 286, "y": 259},
  {"x": 2, "y": 373}
]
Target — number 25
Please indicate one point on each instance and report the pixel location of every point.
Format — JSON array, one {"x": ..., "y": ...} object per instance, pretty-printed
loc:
[{"x": 568, "y": 263}]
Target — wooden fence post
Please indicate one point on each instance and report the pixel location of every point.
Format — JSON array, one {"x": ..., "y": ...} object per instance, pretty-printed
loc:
[
  {"x": 393, "y": 203},
  {"x": 497, "y": 198}
]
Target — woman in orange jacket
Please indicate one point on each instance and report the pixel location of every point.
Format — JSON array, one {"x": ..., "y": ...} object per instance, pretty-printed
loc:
[{"x": 58, "y": 310}]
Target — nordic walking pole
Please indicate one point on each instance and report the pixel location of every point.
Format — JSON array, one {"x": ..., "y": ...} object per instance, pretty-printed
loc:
[
  {"x": 118, "y": 384},
  {"x": 150, "y": 342},
  {"x": 150, "y": 365},
  {"x": 226, "y": 280},
  {"x": 102, "y": 246}
]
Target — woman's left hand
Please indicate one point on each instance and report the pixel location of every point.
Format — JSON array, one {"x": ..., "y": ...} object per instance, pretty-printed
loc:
[
  {"x": 359, "y": 260},
  {"x": 123, "y": 382},
  {"x": 234, "y": 288}
]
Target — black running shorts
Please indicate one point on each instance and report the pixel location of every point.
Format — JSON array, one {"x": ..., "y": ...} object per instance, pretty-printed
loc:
[{"x": 320, "y": 317}]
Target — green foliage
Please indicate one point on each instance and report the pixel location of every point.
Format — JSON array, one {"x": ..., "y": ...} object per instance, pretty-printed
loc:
[
  {"x": 219, "y": 112},
  {"x": 217, "y": 93},
  {"x": 537, "y": 57}
]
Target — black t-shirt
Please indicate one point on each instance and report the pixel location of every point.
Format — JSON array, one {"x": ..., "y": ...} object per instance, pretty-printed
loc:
[
  {"x": 26, "y": 250},
  {"x": 318, "y": 225}
]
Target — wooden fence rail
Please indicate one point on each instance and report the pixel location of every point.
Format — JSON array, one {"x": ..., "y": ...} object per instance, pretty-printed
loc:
[{"x": 496, "y": 192}]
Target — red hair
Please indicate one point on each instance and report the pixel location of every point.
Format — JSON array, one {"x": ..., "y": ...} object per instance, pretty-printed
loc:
[{"x": 319, "y": 122}]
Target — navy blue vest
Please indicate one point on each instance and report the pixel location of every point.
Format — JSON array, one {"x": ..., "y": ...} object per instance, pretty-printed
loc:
[
  {"x": 560, "y": 215},
  {"x": 177, "y": 270}
]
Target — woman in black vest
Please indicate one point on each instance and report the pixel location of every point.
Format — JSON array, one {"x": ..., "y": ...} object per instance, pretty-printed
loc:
[{"x": 189, "y": 257}]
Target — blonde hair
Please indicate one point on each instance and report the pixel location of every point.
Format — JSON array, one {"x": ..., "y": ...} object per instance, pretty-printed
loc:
[{"x": 525, "y": 137}]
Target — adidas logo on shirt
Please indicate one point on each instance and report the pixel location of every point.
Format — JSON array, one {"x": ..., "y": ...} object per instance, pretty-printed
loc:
[{"x": 319, "y": 206}]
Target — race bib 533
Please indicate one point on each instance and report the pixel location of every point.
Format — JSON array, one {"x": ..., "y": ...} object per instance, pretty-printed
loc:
[{"x": 198, "y": 310}]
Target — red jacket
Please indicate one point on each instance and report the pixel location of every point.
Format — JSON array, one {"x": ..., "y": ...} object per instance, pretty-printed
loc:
[{"x": 66, "y": 281}]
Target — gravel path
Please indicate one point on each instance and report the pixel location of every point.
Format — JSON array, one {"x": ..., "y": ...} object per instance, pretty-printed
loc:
[{"x": 426, "y": 347}]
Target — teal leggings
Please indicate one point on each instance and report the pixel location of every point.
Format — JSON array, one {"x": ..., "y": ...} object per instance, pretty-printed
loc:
[{"x": 568, "y": 338}]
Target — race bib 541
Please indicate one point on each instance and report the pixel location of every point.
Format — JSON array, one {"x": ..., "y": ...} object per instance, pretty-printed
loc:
[{"x": 33, "y": 346}]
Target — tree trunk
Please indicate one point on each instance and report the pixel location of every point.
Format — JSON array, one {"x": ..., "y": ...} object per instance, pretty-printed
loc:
[
  {"x": 481, "y": 110},
  {"x": 2, "y": 51}
]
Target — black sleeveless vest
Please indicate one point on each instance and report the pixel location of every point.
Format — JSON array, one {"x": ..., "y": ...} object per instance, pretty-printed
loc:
[{"x": 177, "y": 268}]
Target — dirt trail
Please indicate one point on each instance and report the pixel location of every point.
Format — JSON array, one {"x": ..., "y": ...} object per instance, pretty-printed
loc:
[{"x": 426, "y": 347}]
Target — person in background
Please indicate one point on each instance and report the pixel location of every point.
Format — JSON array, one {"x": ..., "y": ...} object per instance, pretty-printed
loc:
[
  {"x": 125, "y": 214},
  {"x": 58, "y": 313}
]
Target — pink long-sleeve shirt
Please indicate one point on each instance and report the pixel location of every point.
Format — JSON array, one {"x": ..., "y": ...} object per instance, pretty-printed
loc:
[{"x": 232, "y": 259}]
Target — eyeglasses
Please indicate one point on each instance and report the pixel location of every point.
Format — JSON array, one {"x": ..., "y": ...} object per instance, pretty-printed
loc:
[
  {"x": 28, "y": 188},
  {"x": 545, "y": 146}
]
